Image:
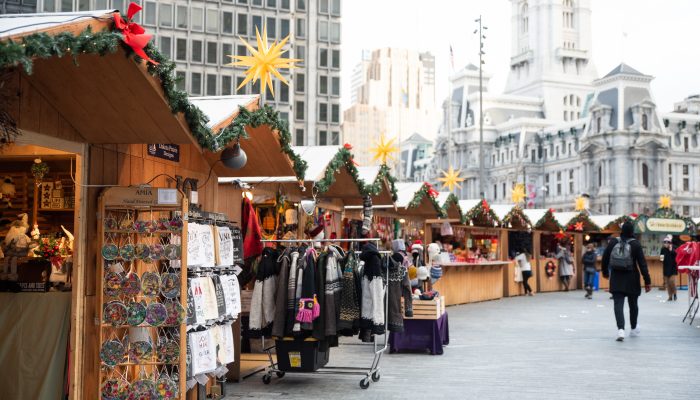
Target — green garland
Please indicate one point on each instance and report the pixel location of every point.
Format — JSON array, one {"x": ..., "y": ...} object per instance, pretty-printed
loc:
[
  {"x": 516, "y": 218},
  {"x": 452, "y": 199},
  {"x": 41, "y": 45},
  {"x": 668, "y": 213},
  {"x": 343, "y": 158},
  {"x": 424, "y": 192},
  {"x": 482, "y": 215},
  {"x": 376, "y": 187},
  {"x": 588, "y": 225},
  {"x": 548, "y": 217}
]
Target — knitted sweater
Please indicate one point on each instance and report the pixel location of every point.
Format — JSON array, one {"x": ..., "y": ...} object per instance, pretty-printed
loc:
[
  {"x": 349, "y": 318},
  {"x": 284, "y": 261},
  {"x": 262, "y": 308},
  {"x": 372, "y": 317},
  {"x": 331, "y": 307}
]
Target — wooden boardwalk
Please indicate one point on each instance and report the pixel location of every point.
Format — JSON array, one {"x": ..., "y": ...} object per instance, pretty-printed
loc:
[{"x": 551, "y": 346}]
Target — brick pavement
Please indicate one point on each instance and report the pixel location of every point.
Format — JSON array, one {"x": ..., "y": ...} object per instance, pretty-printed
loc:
[{"x": 551, "y": 346}]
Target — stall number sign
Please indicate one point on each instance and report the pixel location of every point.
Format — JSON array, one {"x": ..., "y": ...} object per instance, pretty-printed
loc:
[
  {"x": 170, "y": 152},
  {"x": 295, "y": 359},
  {"x": 665, "y": 225}
]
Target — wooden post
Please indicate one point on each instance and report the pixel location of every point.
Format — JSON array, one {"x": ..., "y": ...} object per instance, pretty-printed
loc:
[
  {"x": 35, "y": 206},
  {"x": 578, "y": 254},
  {"x": 536, "y": 249}
]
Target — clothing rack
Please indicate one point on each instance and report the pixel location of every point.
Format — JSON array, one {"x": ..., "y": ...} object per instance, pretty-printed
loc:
[
  {"x": 694, "y": 301},
  {"x": 371, "y": 374}
]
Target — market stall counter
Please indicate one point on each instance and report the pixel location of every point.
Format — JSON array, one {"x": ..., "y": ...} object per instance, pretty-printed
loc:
[{"x": 464, "y": 282}]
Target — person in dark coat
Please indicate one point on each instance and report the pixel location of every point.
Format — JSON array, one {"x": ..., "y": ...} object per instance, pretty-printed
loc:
[
  {"x": 626, "y": 283},
  {"x": 589, "y": 270},
  {"x": 668, "y": 257}
]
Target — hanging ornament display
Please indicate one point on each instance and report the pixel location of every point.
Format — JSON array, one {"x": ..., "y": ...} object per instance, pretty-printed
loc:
[
  {"x": 451, "y": 178},
  {"x": 264, "y": 62},
  {"x": 518, "y": 195},
  {"x": 384, "y": 149},
  {"x": 665, "y": 201}
]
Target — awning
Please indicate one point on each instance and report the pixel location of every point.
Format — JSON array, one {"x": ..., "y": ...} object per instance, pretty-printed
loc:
[{"x": 108, "y": 99}]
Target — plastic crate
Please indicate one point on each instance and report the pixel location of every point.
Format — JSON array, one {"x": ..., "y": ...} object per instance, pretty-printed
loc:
[{"x": 297, "y": 355}]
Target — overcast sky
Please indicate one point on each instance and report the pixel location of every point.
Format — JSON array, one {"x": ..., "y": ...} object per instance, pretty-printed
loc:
[{"x": 661, "y": 38}]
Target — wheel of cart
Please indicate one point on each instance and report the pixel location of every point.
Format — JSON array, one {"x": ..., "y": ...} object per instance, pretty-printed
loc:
[{"x": 364, "y": 384}]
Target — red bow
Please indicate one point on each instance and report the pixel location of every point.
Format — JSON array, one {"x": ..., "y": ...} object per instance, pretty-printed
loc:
[
  {"x": 347, "y": 146},
  {"x": 133, "y": 34},
  {"x": 551, "y": 211},
  {"x": 485, "y": 206},
  {"x": 431, "y": 190}
]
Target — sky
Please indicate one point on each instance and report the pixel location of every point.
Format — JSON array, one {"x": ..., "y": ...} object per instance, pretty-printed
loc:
[{"x": 661, "y": 38}]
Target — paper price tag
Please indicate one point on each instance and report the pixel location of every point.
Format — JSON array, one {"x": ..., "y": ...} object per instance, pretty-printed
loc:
[
  {"x": 167, "y": 196},
  {"x": 294, "y": 359}
]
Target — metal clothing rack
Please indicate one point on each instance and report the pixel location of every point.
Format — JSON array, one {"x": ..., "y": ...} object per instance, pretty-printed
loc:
[
  {"x": 695, "y": 302},
  {"x": 371, "y": 374}
]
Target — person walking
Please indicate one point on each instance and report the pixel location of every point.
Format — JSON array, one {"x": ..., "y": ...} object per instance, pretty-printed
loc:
[
  {"x": 668, "y": 257},
  {"x": 589, "y": 269},
  {"x": 522, "y": 258},
  {"x": 566, "y": 265},
  {"x": 625, "y": 259}
]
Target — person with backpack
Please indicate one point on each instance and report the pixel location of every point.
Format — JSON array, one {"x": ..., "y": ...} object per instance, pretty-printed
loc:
[
  {"x": 589, "y": 270},
  {"x": 668, "y": 257},
  {"x": 566, "y": 265},
  {"x": 623, "y": 261}
]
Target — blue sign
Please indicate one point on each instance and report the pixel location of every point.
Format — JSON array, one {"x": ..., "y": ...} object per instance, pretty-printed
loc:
[{"x": 170, "y": 152}]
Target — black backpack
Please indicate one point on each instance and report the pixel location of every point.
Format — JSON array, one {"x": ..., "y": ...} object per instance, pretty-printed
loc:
[{"x": 621, "y": 256}]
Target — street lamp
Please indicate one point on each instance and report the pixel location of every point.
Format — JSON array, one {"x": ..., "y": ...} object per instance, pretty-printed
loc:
[
  {"x": 482, "y": 37},
  {"x": 544, "y": 190}
]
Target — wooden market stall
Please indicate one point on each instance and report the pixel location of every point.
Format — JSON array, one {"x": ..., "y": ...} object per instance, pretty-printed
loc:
[
  {"x": 417, "y": 203},
  {"x": 546, "y": 232},
  {"x": 610, "y": 226},
  {"x": 518, "y": 228},
  {"x": 579, "y": 226},
  {"x": 114, "y": 121},
  {"x": 480, "y": 276}
]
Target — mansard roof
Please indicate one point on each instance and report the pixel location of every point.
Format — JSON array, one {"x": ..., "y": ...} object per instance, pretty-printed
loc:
[{"x": 623, "y": 69}]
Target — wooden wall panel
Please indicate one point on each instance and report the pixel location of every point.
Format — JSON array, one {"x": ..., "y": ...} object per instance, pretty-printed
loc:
[{"x": 470, "y": 284}]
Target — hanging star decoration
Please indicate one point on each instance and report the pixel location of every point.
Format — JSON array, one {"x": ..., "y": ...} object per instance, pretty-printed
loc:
[
  {"x": 383, "y": 149},
  {"x": 517, "y": 195},
  {"x": 451, "y": 178},
  {"x": 665, "y": 202},
  {"x": 578, "y": 226},
  {"x": 580, "y": 203},
  {"x": 264, "y": 62}
]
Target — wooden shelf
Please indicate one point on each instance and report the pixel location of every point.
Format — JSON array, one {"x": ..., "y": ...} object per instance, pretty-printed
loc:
[{"x": 56, "y": 210}]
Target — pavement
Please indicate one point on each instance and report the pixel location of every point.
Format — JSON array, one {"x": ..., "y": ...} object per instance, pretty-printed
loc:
[{"x": 550, "y": 346}]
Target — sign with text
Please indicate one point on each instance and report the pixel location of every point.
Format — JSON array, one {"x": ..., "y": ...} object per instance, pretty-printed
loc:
[
  {"x": 666, "y": 225},
  {"x": 170, "y": 152}
]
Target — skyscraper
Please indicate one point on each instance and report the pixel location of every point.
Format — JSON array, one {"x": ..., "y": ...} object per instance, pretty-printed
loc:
[
  {"x": 394, "y": 92},
  {"x": 200, "y": 35}
]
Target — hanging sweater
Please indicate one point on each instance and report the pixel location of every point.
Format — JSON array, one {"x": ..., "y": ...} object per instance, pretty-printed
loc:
[
  {"x": 349, "y": 318},
  {"x": 308, "y": 308},
  {"x": 372, "y": 317},
  {"x": 262, "y": 308},
  {"x": 284, "y": 261},
  {"x": 333, "y": 275},
  {"x": 399, "y": 286}
]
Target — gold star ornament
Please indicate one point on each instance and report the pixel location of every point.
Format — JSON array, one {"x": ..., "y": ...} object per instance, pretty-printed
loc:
[
  {"x": 580, "y": 203},
  {"x": 264, "y": 62},
  {"x": 451, "y": 178},
  {"x": 517, "y": 195},
  {"x": 384, "y": 149},
  {"x": 665, "y": 202}
]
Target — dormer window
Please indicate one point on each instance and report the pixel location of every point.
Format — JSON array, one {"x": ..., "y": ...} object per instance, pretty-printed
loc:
[
  {"x": 524, "y": 18},
  {"x": 645, "y": 122},
  {"x": 597, "y": 124}
]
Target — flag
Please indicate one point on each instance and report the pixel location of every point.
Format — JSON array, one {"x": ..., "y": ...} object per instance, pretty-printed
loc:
[{"x": 452, "y": 58}]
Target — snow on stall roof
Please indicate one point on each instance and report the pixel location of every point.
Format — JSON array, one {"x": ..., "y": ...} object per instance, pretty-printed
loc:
[
  {"x": 368, "y": 174},
  {"x": 501, "y": 210},
  {"x": 24, "y": 24},
  {"x": 317, "y": 159},
  {"x": 442, "y": 198},
  {"x": 406, "y": 191},
  {"x": 219, "y": 108},
  {"x": 468, "y": 204},
  {"x": 563, "y": 218},
  {"x": 534, "y": 214},
  {"x": 603, "y": 220}
]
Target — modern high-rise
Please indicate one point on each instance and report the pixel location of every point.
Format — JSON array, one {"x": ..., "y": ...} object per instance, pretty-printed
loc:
[
  {"x": 200, "y": 35},
  {"x": 394, "y": 94}
]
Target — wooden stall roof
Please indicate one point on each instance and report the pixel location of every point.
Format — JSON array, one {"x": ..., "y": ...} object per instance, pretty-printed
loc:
[
  {"x": 427, "y": 208},
  {"x": 263, "y": 146},
  {"x": 609, "y": 223},
  {"x": 542, "y": 219},
  {"x": 582, "y": 222},
  {"x": 108, "y": 99},
  {"x": 370, "y": 175},
  {"x": 473, "y": 210},
  {"x": 501, "y": 210},
  {"x": 564, "y": 217},
  {"x": 450, "y": 205},
  {"x": 512, "y": 216}
]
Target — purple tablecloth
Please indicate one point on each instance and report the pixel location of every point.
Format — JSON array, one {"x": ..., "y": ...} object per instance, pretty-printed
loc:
[{"x": 421, "y": 334}]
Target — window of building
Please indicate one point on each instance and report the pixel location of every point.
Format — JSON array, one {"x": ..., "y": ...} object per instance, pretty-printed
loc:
[
  {"x": 323, "y": 6},
  {"x": 322, "y": 112},
  {"x": 283, "y": 93},
  {"x": 301, "y": 5},
  {"x": 559, "y": 183},
  {"x": 686, "y": 178},
  {"x": 335, "y": 86},
  {"x": 242, "y": 24},
  {"x": 335, "y": 59},
  {"x": 197, "y": 51},
  {"x": 570, "y": 152},
  {"x": 226, "y": 83},
  {"x": 212, "y": 57},
  {"x": 686, "y": 144},
  {"x": 242, "y": 1},
  {"x": 284, "y": 4},
  {"x": 335, "y": 32},
  {"x": 335, "y": 138},
  {"x": 284, "y": 28},
  {"x": 239, "y": 82},
  {"x": 241, "y": 50},
  {"x": 495, "y": 192},
  {"x": 645, "y": 122},
  {"x": 686, "y": 168},
  {"x": 571, "y": 181},
  {"x": 568, "y": 14},
  {"x": 504, "y": 190},
  {"x": 686, "y": 210},
  {"x": 300, "y": 54},
  {"x": 524, "y": 18},
  {"x": 149, "y": 13},
  {"x": 533, "y": 155},
  {"x": 322, "y": 84},
  {"x": 181, "y": 81},
  {"x": 598, "y": 123},
  {"x": 212, "y": 21},
  {"x": 271, "y": 3},
  {"x": 546, "y": 184},
  {"x": 323, "y": 30},
  {"x": 165, "y": 14},
  {"x": 181, "y": 20},
  {"x": 335, "y": 7},
  {"x": 323, "y": 138},
  {"x": 301, "y": 28},
  {"x": 226, "y": 51},
  {"x": 299, "y": 84},
  {"x": 323, "y": 57},
  {"x": 257, "y": 3},
  {"x": 271, "y": 28},
  {"x": 257, "y": 25},
  {"x": 493, "y": 159},
  {"x": 299, "y": 137},
  {"x": 165, "y": 45},
  {"x": 299, "y": 110},
  {"x": 600, "y": 175},
  {"x": 645, "y": 175},
  {"x": 335, "y": 113},
  {"x": 211, "y": 84},
  {"x": 227, "y": 22},
  {"x": 197, "y": 20},
  {"x": 670, "y": 177},
  {"x": 196, "y": 83},
  {"x": 256, "y": 87},
  {"x": 181, "y": 49}
]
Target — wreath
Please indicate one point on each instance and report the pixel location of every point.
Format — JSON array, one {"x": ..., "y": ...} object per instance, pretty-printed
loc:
[{"x": 549, "y": 268}]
